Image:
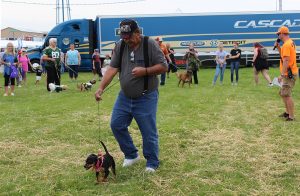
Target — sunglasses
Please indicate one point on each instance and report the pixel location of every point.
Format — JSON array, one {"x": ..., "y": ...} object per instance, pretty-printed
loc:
[{"x": 125, "y": 29}]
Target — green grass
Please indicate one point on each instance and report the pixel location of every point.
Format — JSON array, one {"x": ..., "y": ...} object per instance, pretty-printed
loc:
[{"x": 213, "y": 140}]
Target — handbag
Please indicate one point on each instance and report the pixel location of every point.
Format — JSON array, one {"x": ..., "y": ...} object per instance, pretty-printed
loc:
[{"x": 13, "y": 72}]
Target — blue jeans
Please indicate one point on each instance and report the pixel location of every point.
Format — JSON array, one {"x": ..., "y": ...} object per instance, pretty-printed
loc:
[
  {"x": 221, "y": 71},
  {"x": 143, "y": 110},
  {"x": 235, "y": 66}
]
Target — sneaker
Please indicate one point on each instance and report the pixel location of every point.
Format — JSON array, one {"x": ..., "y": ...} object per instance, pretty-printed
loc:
[
  {"x": 270, "y": 85},
  {"x": 284, "y": 115},
  {"x": 19, "y": 86},
  {"x": 236, "y": 84},
  {"x": 12, "y": 94},
  {"x": 129, "y": 162},
  {"x": 149, "y": 170},
  {"x": 232, "y": 83},
  {"x": 5, "y": 95}
]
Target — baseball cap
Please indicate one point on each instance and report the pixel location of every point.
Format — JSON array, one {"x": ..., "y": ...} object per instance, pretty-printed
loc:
[
  {"x": 283, "y": 30},
  {"x": 96, "y": 50},
  {"x": 127, "y": 27},
  {"x": 159, "y": 39}
]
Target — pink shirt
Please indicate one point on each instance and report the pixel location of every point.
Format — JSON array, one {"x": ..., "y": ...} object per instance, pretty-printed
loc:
[{"x": 24, "y": 60}]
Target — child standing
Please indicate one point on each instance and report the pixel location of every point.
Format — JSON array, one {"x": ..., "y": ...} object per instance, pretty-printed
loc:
[
  {"x": 39, "y": 72},
  {"x": 24, "y": 61}
]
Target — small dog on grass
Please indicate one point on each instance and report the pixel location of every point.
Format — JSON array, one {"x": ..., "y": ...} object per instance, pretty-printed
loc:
[
  {"x": 185, "y": 77},
  {"x": 101, "y": 164},
  {"x": 86, "y": 86},
  {"x": 57, "y": 88}
]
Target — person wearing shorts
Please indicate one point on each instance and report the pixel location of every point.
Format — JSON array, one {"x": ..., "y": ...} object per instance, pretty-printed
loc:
[{"x": 288, "y": 71}]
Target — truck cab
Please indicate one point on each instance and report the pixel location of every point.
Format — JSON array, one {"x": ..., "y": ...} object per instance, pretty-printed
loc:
[{"x": 80, "y": 32}]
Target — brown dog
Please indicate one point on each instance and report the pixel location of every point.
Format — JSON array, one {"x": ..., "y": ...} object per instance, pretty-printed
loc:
[{"x": 185, "y": 77}]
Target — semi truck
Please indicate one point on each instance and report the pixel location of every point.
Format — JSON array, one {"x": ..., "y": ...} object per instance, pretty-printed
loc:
[{"x": 205, "y": 31}]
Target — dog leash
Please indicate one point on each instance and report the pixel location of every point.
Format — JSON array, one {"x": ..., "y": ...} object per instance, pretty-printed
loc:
[
  {"x": 99, "y": 125},
  {"x": 70, "y": 68},
  {"x": 107, "y": 89},
  {"x": 56, "y": 70},
  {"x": 113, "y": 84}
]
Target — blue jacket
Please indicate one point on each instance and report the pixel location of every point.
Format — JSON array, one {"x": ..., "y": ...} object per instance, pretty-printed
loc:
[{"x": 8, "y": 58}]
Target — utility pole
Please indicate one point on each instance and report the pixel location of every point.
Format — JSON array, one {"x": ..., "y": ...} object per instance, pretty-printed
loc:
[
  {"x": 63, "y": 10},
  {"x": 60, "y": 10},
  {"x": 280, "y": 5},
  {"x": 57, "y": 11}
]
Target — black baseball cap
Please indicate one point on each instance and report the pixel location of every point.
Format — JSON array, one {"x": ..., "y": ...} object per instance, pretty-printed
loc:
[{"x": 127, "y": 27}]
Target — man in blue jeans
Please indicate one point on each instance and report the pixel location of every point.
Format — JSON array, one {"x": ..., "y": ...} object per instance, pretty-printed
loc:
[{"x": 135, "y": 100}]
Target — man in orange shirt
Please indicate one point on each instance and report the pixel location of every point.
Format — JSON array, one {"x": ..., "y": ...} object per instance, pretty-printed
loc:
[
  {"x": 288, "y": 71},
  {"x": 165, "y": 51}
]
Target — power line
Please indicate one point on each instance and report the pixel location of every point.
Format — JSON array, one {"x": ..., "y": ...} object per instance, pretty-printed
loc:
[{"x": 73, "y": 4}]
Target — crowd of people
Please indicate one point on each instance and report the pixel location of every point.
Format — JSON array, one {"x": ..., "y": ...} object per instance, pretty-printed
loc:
[{"x": 54, "y": 61}]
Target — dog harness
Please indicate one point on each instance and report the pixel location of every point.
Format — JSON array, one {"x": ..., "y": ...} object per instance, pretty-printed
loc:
[{"x": 99, "y": 164}]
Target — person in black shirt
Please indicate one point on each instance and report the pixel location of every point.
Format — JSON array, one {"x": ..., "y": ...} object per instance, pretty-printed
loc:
[
  {"x": 172, "y": 57},
  {"x": 235, "y": 57}
]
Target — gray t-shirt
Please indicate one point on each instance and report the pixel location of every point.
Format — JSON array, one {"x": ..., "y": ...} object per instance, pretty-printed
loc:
[{"x": 133, "y": 87}]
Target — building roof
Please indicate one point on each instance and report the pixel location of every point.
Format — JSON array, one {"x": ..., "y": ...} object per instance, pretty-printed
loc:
[{"x": 24, "y": 30}]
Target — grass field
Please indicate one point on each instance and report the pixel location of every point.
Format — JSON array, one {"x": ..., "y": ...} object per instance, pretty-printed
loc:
[{"x": 213, "y": 140}]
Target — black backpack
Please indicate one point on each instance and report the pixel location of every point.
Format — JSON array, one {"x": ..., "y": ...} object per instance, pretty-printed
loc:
[
  {"x": 146, "y": 59},
  {"x": 264, "y": 53}
]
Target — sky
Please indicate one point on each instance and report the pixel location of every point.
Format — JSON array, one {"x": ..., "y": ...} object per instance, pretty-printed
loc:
[{"x": 42, "y": 18}]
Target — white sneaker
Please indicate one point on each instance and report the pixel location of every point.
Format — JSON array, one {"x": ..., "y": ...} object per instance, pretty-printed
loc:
[
  {"x": 12, "y": 94},
  {"x": 129, "y": 162},
  {"x": 19, "y": 86},
  {"x": 270, "y": 85},
  {"x": 5, "y": 95},
  {"x": 149, "y": 170}
]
